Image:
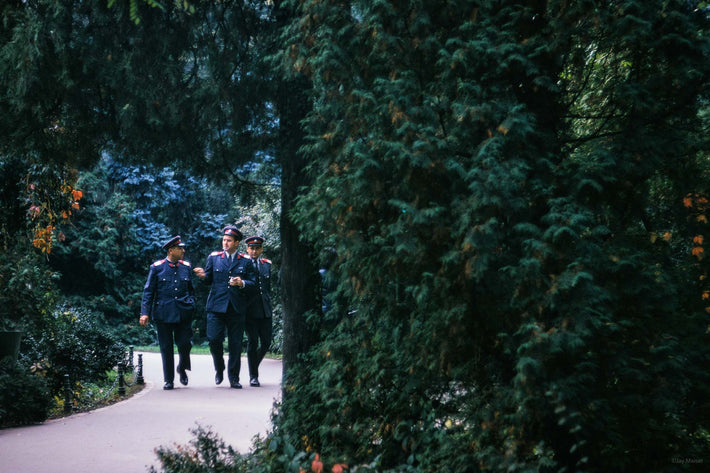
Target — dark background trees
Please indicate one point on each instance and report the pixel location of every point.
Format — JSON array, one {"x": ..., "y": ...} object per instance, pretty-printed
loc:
[{"x": 516, "y": 193}]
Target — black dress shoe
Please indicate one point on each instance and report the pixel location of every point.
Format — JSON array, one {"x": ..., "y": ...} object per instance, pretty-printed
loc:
[
  {"x": 183, "y": 377},
  {"x": 235, "y": 385},
  {"x": 219, "y": 377},
  {"x": 168, "y": 386},
  {"x": 254, "y": 382}
]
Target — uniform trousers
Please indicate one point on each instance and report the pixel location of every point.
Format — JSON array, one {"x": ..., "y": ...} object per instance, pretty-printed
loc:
[
  {"x": 258, "y": 342},
  {"x": 180, "y": 334},
  {"x": 231, "y": 323}
]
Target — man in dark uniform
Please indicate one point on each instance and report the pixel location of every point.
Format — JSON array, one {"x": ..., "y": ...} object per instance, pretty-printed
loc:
[
  {"x": 259, "y": 310},
  {"x": 169, "y": 297},
  {"x": 232, "y": 277}
]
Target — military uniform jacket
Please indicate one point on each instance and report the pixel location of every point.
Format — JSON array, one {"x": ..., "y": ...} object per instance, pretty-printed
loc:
[
  {"x": 260, "y": 303},
  {"x": 218, "y": 271},
  {"x": 168, "y": 293}
]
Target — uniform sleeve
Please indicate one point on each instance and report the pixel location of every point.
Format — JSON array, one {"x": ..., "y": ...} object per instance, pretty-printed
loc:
[
  {"x": 209, "y": 267},
  {"x": 268, "y": 280},
  {"x": 190, "y": 286},
  {"x": 149, "y": 292}
]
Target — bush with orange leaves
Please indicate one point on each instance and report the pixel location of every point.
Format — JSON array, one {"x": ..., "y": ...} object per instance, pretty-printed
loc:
[
  {"x": 317, "y": 466},
  {"x": 51, "y": 199},
  {"x": 697, "y": 204}
]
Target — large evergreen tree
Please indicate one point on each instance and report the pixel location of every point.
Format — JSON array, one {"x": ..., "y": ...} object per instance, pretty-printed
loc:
[{"x": 504, "y": 184}]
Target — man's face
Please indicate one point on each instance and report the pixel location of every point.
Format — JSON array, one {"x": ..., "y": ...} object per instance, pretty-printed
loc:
[
  {"x": 254, "y": 251},
  {"x": 176, "y": 253},
  {"x": 229, "y": 244}
]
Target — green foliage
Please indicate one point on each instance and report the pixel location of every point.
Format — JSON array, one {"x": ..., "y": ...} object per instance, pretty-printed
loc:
[
  {"x": 259, "y": 214},
  {"x": 75, "y": 342},
  {"x": 27, "y": 289},
  {"x": 496, "y": 180},
  {"x": 24, "y": 397},
  {"x": 179, "y": 87},
  {"x": 279, "y": 453},
  {"x": 207, "y": 453},
  {"x": 133, "y": 7}
]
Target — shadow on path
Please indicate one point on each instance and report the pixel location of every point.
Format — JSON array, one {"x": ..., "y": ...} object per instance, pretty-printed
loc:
[{"x": 123, "y": 437}]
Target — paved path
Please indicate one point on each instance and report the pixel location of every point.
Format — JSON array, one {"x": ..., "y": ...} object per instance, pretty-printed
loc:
[{"x": 122, "y": 437}]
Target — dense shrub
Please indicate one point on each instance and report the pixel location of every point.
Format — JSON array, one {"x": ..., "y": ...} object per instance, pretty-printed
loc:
[
  {"x": 275, "y": 453},
  {"x": 207, "y": 453},
  {"x": 74, "y": 342},
  {"x": 24, "y": 397},
  {"x": 27, "y": 288}
]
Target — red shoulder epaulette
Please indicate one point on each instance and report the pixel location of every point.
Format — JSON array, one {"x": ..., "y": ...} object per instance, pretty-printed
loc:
[
  {"x": 216, "y": 253},
  {"x": 159, "y": 262},
  {"x": 265, "y": 260},
  {"x": 241, "y": 255},
  {"x": 186, "y": 263}
]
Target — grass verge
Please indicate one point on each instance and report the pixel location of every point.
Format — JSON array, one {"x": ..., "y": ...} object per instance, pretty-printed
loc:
[{"x": 92, "y": 396}]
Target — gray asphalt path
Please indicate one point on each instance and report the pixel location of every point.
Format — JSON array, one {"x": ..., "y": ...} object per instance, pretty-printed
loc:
[{"x": 123, "y": 437}]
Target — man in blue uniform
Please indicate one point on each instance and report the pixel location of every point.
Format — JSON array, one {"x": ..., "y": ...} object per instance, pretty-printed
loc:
[
  {"x": 259, "y": 310},
  {"x": 232, "y": 277},
  {"x": 169, "y": 298}
]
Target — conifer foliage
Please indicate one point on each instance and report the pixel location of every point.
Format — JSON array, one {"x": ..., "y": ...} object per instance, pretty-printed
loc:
[{"x": 504, "y": 183}]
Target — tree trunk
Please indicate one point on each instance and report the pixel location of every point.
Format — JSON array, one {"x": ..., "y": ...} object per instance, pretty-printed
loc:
[
  {"x": 298, "y": 271},
  {"x": 299, "y": 274}
]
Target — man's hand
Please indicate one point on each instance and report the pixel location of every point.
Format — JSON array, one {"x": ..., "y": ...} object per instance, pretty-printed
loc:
[
  {"x": 199, "y": 272},
  {"x": 236, "y": 281},
  {"x": 144, "y": 320}
]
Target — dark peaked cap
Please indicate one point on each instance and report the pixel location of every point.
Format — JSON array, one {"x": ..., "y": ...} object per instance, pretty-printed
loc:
[
  {"x": 233, "y": 231},
  {"x": 174, "y": 241}
]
